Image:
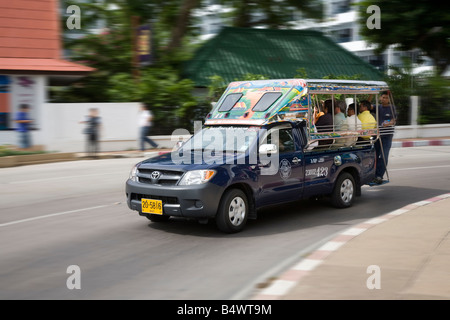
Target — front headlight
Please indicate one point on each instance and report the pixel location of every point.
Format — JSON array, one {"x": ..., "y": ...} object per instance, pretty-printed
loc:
[
  {"x": 196, "y": 177},
  {"x": 133, "y": 173}
]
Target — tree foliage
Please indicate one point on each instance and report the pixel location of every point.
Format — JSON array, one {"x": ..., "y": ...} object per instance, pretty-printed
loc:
[
  {"x": 274, "y": 14},
  {"x": 110, "y": 53},
  {"x": 159, "y": 85},
  {"x": 169, "y": 95},
  {"x": 434, "y": 101},
  {"x": 414, "y": 24}
]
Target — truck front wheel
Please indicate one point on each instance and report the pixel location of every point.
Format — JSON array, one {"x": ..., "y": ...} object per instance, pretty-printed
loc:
[
  {"x": 233, "y": 211},
  {"x": 344, "y": 191}
]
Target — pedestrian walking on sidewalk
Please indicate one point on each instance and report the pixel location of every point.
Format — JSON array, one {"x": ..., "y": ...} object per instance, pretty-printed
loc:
[
  {"x": 92, "y": 131},
  {"x": 145, "y": 123}
]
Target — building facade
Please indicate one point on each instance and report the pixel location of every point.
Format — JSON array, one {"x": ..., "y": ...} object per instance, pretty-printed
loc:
[{"x": 30, "y": 61}]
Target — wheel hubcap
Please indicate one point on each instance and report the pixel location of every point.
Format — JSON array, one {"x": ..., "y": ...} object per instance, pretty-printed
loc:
[
  {"x": 347, "y": 191},
  {"x": 236, "y": 211}
]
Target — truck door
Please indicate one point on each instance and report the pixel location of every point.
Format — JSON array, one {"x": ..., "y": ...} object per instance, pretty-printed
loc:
[
  {"x": 286, "y": 184},
  {"x": 319, "y": 167}
]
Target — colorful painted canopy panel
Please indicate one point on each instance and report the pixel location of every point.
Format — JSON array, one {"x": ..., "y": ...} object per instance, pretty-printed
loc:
[
  {"x": 260, "y": 101},
  {"x": 263, "y": 101}
]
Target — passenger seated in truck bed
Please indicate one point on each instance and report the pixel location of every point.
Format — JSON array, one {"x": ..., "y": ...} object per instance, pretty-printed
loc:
[{"x": 325, "y": 122}]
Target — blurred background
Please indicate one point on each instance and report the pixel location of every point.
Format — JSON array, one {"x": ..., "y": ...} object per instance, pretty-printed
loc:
[{"x": 177, "y": 56}]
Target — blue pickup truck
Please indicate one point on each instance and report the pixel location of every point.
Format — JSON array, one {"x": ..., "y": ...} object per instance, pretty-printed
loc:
[{"x": 259, "y": 146}]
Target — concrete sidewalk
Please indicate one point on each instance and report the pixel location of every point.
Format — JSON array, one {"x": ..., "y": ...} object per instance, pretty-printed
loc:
[
  {"x": 31, "y": 159},
  {"x": 402, "y": 255},
  {"x": 123, "y": 154}
]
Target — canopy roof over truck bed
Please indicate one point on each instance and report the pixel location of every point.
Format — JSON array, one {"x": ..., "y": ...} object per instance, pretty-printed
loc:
[{"x": 264, "y": 101}]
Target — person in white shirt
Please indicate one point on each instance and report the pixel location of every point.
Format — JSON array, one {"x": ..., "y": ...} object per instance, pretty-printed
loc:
[
  {"x": 145, "y": 124},
  {"x": 352, "y": 123}
]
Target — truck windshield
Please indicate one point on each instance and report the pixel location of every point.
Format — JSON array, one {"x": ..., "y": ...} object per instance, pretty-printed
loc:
[{"x": 223, "y": 139}]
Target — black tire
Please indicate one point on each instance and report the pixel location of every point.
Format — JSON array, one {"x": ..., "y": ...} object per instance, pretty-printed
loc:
[
  {"x": 344, "y": 191},
  {"x": 157, "y": 217},
  {"x": 233, "y": 211}
]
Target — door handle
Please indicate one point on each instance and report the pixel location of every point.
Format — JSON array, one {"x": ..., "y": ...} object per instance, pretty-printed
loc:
[{"x": 296, "y": 160}]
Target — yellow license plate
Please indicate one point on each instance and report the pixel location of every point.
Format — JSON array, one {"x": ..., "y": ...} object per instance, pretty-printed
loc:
[{"x": 152, "y": 206}]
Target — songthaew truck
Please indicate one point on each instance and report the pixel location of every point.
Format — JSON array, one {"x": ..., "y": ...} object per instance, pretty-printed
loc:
[{"x": 262, "y": 144}]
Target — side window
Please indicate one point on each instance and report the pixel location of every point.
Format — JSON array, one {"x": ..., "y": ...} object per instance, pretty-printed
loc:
[{"x": 286, "y": 141}]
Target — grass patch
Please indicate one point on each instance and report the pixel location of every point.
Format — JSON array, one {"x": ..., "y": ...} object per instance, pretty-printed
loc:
[{"x": 6, "y": 151}]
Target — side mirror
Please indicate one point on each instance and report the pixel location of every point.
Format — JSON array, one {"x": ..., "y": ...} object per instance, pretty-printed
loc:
[
  {"x": 268, "y": 158},
  {"x": 268, "y": 149}
]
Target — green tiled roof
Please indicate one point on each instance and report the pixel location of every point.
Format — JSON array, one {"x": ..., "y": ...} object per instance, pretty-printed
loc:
[{"x": 277, "y": 54}]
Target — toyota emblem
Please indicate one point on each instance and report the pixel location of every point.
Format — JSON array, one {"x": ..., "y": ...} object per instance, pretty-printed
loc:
[{"x": 155, "y": 175}]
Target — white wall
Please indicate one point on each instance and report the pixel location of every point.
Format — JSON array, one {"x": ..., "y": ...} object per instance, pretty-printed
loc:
[
  {"x": 62, "y": 132},
  {"x": 422, "y": 131},
  {"x": 59, "y": 129}
]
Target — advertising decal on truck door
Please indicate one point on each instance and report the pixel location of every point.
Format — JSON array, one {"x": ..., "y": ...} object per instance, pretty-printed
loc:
[{"x": 285, "y": 169}]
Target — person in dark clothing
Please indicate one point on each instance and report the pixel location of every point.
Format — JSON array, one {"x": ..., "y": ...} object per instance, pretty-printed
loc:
[
  {"x": 325, "y": 122},
  {"x": 386, "y": 123},
  {"x": 92, "y": 131}
]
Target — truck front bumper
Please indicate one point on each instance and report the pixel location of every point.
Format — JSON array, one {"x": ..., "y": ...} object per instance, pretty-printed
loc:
[{"x": 193, "y": 201}]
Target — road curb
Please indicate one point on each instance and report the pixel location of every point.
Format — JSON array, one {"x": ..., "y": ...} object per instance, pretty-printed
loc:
[
  {"x": 21, "y": 160},
  {"x": 420, "y": 143},
  {"x": 292, "y": 277}
]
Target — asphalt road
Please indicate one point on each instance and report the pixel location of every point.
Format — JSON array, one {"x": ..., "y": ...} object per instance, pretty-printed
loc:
[{"x": 59, "y": 215}]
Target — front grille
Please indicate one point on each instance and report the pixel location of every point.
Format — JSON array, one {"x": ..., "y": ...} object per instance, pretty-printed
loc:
[
  {"x": 160, "y": 182},
  {"x": 164, "y": 199},
  {"x": 166, "y": 177}
]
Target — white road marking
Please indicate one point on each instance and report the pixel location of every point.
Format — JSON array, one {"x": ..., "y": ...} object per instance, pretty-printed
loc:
[
  {"x": 60, "y": 178},
  {"x": 51, "y": 215}
]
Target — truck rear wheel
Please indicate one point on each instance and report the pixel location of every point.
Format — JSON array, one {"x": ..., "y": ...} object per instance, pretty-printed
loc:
[
  {"x": 233, "y": 211},
  {"x": 344, "y": 191}
]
